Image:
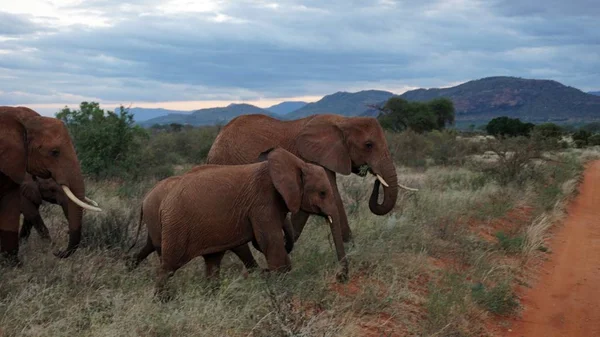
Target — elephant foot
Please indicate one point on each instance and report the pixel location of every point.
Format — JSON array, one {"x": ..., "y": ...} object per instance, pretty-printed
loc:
[
  {"x": 131, "y": 263},
  {"x": 163, "y": 296},
  {"x": 342, "y": 275},
  {"x": 11, "y": 260},
  {"x": 63, "y": 254}
]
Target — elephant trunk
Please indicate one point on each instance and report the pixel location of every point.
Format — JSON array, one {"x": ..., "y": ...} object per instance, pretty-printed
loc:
[
  {"x": 390, "y": 193},
  {"x": 74, "y": 215},
  {"x": 336, "y": 233}
]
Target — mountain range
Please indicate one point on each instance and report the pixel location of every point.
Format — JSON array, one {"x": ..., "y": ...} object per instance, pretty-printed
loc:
[
  {"x": 286, "y": 107},
  {"x": 597, "y": 93},
  {"x": 209, "y": 116},
  {"x": 475, "y": 101}
]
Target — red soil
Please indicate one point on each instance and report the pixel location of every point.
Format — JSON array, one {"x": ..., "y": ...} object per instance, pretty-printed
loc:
[{"x": 565, "y": 301}]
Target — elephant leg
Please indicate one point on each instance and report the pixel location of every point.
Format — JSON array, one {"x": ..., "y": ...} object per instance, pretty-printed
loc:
[
  {"x": 40, "y": 227},
  {"x": 25, "y": 230},
  {"x": 244, "y": 253},
  {"x": 346, "y": 232},
  {"x": 9, "y": 227},
  {"x": 267, "y": 224},
  {"x": 213, "y": 264},
  {"x": 298, "y": 222},
  {"x": 164, "y": 274},
  {"x": 142, "y": 254}
]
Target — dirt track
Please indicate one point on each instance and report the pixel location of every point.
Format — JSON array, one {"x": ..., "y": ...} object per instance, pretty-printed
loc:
[{"x": 566, "y": 299}]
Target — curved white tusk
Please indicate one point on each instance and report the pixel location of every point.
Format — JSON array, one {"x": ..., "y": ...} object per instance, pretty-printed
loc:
[
  {"x": 91, "y": 202},
  {"x": 407, "y": 188},
  {"x": 77, "y": 201},
  {"x": 329, "y": 219},
  {"x": 380, "y": 178}
]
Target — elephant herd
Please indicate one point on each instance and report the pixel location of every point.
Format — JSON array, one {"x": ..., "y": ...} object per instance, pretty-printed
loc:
[{"x": 258, "y": 170}]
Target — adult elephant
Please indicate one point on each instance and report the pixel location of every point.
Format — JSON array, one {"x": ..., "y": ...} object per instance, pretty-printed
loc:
[
  {"x": 34, "y": 191},
  {"x": 340, "y": 144},
  {"x": 42, "y": 147}
]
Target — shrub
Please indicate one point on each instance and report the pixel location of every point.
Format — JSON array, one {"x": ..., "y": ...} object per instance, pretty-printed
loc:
[
  {"x": 399, "y": 115},
  {"x": 508, "y": 127},
  {"x": 498, "y": 299},
  {"x": 108, "y": 144},
  {"x": 510, "y": 244},
  {"x": 581, "y": 138},
  {"x": 594, "y": 140}
]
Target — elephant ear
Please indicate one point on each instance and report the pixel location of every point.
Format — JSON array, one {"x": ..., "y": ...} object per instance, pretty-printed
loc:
[
  {"x": 13, "y": 148},
  {"x": 285, "y": 170},
  {"x": 30, "y": 190},
  {"x": 263, "y": 155},
  {"x": 323, "y": 143}
]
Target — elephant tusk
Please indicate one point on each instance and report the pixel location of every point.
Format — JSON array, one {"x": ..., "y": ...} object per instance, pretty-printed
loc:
[
  {"x": 408, "y": 188},
  {"x": 380, "y": 178},
  {"x": 79, "y": 203},
  {"x": 330, "y": 219},
  {"x": 91, "y": 202}
]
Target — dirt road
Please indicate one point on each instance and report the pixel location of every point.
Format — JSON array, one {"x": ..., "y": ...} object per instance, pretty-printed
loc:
[{"x": 565, "y": 301}]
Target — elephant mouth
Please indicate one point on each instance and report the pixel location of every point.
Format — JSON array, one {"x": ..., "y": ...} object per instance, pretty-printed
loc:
[
  {"x": 362, "y": 170},
  {"x": 365, "y": 169}
]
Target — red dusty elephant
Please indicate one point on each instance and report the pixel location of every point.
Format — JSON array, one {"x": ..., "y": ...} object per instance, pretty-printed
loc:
[
  {"x": 340, "y": 144},
  {"x": 42, "y": 147},
  {"x": 220, "y": 207},
  {"x": 149, "y": 215},
  {"x": 34, "y": 191}
]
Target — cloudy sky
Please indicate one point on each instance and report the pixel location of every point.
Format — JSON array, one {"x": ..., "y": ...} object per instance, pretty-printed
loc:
[{"x": 185, "y": 54}]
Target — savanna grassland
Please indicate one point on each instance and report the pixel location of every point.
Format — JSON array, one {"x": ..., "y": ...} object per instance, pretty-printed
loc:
[{"x": 443, "y": 263}]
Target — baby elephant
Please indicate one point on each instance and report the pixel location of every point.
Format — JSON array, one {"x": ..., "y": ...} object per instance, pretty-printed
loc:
[
  {"x": 220, "y": 207},
  {"x": 149, "y": 215},
  {"x": 34, "y": 191}
]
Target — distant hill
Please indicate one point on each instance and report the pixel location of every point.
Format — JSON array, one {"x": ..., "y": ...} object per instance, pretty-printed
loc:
[
  {"x": 209, "y": 116},
  {"x": 286, "y": 107},
  {"x": 597, "y": 93},
  {"x": 343, "y": 103},
  {"x": 144, "y": 114},
  {"x": 527, "y": 99}
]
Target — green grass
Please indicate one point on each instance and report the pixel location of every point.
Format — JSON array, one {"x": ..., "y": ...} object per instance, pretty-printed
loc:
[{"x": 421, "y": 270}]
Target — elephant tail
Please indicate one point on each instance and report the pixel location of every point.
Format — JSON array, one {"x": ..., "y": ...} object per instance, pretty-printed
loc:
[{"x": 138, "y": 229}]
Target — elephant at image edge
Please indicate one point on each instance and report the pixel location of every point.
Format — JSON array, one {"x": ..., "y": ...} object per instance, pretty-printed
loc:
[
  {"x": 34, "y": 191},
  {"x": 340, "y": 144},
  {"x": 223, "y": 206},
  {"x": 149, "y": 215},
  {"x": 42, "y": 147}
]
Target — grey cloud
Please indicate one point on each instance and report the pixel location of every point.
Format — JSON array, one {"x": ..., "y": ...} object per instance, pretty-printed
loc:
[
  {"x": 17, "y": 25},
  {"x": 297, "y": 48}
]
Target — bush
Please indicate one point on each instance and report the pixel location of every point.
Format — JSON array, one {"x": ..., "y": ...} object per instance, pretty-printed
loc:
[
  {"x": 499, "y": 299},
  {"x": 399, "y": 114},
  {"x": 581, "y": 138},
  {"x": 548, "y": 135},
  {"x": 515, "y": 156},
  {"x": 594, "y": 140},
  {"x": 508, "y": 127},
  {"x": 108, "y": 144}
]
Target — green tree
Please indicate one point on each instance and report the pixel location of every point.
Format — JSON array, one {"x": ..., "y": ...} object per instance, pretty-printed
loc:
[
  {"x": 108, "y": 143},
  {"x": 398, "y": 115},
  {"x": 443, "y": 108},
  {"x": 581, "y": 138},
  {"x": 508, "y": 127}
]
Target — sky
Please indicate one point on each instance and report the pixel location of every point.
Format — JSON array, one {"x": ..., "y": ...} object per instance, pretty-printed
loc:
[{"x": 185, "y": 54}]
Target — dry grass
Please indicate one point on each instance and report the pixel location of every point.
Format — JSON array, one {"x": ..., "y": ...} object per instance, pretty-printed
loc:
[{"x": 427, "y": 269}]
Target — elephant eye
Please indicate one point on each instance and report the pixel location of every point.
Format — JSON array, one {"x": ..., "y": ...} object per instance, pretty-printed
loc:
[
  {"x": 322, "y": 194},
  {"x": 369, "y": 145},
  {"x": 55, "y": 153}
]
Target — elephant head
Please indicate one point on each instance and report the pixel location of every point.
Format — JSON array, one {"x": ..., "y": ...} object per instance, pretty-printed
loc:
[
  {"x": 42, "y": 147},
  {"x": 352, "y": 145},
  {"x": 305, "y": 186}
]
